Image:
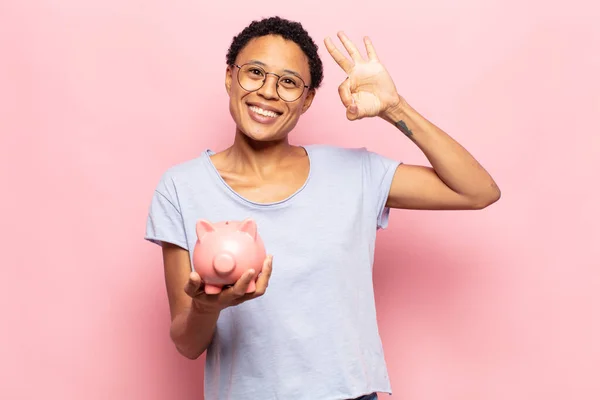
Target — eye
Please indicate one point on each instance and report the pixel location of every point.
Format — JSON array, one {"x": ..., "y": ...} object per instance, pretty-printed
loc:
[{"x": 290, "y": 82}]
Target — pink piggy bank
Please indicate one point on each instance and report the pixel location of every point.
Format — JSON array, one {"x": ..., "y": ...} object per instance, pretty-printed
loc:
[{"x": 225, "y": 250}]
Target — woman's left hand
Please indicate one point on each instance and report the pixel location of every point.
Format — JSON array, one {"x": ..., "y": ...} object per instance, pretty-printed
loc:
[{"x": 369, "y": 90}]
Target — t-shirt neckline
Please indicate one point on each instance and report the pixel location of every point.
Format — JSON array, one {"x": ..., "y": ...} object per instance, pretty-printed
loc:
[{"x": 208, "y": 152}]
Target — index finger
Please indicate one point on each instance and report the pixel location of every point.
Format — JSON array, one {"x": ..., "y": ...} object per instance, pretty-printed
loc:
[
  {"x": 350, "y": 47},
  {"x": 337, "y": 55}
]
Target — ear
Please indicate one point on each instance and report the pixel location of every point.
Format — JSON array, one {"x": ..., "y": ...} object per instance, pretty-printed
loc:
[
  {"x": 203, "y": 227},
  {"x": 308, "y": 100},
  {"x": 228, "y": 79},
  {"x": 248, "y": 226}
]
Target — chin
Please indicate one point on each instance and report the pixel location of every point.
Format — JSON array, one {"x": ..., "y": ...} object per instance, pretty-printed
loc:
[
  {"x": 264, "y": 132},
  {"x": 258, "y": 134}
]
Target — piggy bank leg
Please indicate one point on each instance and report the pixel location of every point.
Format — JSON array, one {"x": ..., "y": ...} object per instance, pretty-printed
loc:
[
  {"x": 212, "y": 289},
  {"x": 251, "y": 286}
]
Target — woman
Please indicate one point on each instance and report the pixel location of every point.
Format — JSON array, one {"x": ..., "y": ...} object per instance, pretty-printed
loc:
[{"x": 313, "y": 334}]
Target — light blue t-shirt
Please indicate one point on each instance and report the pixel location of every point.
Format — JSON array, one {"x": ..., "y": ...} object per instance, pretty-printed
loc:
[{"x": 313, "y": 335}]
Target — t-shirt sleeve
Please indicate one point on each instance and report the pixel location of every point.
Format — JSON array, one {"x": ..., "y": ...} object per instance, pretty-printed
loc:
[
  {"x": 165, "y": 222},
  {"x": 379, "y": 172}
]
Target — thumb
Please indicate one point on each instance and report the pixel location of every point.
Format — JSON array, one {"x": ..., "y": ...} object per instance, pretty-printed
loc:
[{"x": 193, "y": 284}]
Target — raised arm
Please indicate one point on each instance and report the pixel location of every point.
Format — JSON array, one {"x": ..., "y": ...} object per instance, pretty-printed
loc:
[{"x": 455, "y": 181}]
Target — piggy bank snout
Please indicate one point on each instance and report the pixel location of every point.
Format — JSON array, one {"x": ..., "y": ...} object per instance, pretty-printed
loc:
[{"x": 224, "y": 263}]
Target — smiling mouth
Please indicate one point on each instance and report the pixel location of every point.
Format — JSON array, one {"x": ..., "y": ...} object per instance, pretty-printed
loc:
[{"x": 264, "y": 113}]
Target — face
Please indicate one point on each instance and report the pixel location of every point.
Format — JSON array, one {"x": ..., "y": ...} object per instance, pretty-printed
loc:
[{"x": 262, "y": 115}]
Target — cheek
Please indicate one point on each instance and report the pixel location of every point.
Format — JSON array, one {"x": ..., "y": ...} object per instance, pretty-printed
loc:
[
  {"x": 236, "y": 103},
  {"x": 232, "y": 105},
  {"x": 296, "y": 111}
]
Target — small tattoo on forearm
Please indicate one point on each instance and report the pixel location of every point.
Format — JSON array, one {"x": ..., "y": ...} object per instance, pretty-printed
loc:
[{"x": 403, "y": 128}]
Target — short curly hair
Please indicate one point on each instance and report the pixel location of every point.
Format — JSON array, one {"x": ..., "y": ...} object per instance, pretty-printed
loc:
[{"x": 287, "y": 29}]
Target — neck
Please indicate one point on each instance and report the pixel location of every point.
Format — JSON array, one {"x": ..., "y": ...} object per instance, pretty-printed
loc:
[{"x": 257, "y": 156}]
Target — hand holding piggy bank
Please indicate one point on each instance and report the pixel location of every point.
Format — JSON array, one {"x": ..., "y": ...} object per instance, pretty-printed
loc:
[{"x": 225, "y": 250}]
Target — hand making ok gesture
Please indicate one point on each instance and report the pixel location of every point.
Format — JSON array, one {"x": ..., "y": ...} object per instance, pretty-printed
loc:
[{"x": 369, "y": 90}]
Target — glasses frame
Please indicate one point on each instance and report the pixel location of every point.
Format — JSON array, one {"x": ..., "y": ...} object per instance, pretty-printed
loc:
[{"x": 305, "y": 86}]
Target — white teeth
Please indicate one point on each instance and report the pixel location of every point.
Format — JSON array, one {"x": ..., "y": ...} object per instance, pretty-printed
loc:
[{"x": 266, "y": 113}]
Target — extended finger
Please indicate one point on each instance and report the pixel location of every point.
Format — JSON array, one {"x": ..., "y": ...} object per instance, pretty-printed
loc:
[
  {"x": 337, "y": 55},
  {"x": 350, "y": 47},
  {"x": 263, "y": 279},
  {"x": 241, "y": 286},
  {"x": 370, "y": 49}
]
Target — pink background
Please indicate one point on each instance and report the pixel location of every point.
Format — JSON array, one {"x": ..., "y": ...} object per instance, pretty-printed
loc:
[{"x": 98, "y": 98}]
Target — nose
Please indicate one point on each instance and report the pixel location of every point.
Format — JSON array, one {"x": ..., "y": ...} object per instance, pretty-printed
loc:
[
  {"x": 269, "y": 88},
  {"x": 223, "y": 263}
]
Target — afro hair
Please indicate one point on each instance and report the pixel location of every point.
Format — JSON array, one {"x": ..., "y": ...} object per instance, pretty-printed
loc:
[{"x": 289, "y": 30}]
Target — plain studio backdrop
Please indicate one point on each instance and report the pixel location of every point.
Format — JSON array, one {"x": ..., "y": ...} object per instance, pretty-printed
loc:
[{"x": 98, "y": 98}]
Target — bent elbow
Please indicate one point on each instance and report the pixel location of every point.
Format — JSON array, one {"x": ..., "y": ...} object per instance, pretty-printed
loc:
[
  {"x": 185, "y": 349},
  {"x": 488, "y": 199},
  {"x": 188, "y": 354}
]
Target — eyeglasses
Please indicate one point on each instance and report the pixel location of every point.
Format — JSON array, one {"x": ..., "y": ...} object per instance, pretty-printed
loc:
[{"x": 251, "y": 77}]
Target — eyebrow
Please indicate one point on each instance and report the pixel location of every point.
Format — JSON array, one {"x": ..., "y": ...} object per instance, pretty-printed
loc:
[{"x": 262, "y": 64}]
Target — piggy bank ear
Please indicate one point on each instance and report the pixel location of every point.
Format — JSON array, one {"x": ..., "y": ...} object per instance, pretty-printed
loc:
[
  {"x": 203, "y": 227},
  {"x": 249, "y": 226}
]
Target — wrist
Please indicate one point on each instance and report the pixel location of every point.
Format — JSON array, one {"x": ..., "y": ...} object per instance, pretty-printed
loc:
[
  {"x": 201, "y": 310},
  {"x": 402, "y": 116},
  {"x": 396, "y": 112}
]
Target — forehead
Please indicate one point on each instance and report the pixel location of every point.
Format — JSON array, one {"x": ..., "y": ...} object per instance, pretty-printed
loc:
[{"x": 276, "y": 53}]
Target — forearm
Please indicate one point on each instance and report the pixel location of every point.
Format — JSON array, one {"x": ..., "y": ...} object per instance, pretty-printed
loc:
[
  {"x": 192, "y": 331},
  {"x": 454, "y": 165}
]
